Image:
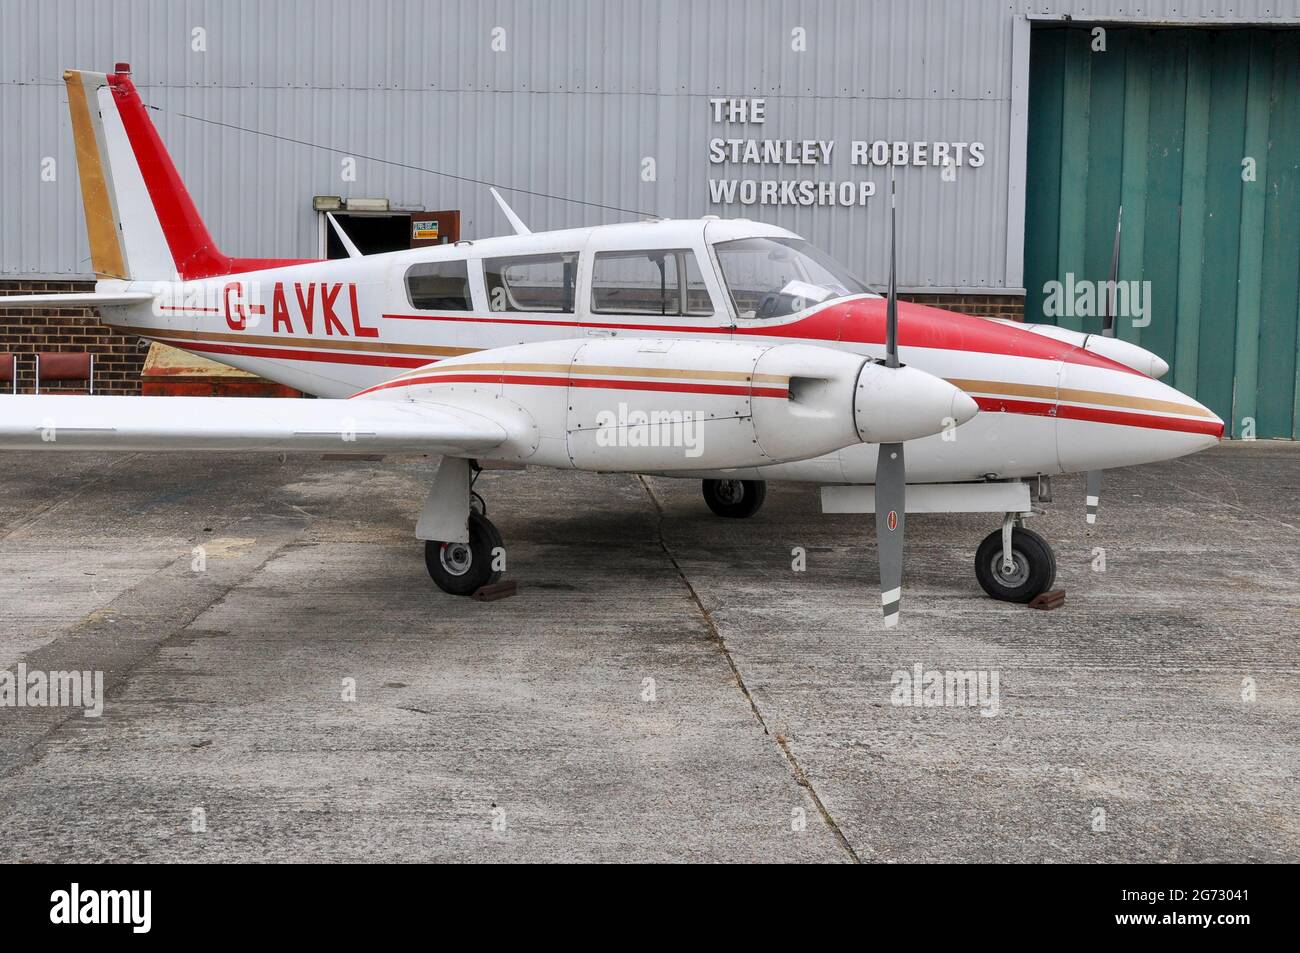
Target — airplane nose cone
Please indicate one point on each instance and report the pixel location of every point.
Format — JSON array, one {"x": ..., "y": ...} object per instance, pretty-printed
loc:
[
  {"x": 1110, "y": 418},
  {"x": 906, "y": 403}
]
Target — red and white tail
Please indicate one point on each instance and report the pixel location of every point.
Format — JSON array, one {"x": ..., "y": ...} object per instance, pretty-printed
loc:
[{"x": 140, "y": 219}]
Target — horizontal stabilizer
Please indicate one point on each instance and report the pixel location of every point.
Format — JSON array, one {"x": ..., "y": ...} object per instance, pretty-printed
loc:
[
  {"x": 76, "y": 299},
  {"x": 68, "y": 422}
]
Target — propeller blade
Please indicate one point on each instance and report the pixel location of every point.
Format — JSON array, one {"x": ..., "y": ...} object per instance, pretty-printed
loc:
[
  {"x": 1094, "y": 494},
  {"x": 891, "y": 514},
  {"x": 891, "y": 474},
  {"x": 891, "y": 302},
  {"x": 1108, "y": 319},
  {"x": 1107, "y": 330}
]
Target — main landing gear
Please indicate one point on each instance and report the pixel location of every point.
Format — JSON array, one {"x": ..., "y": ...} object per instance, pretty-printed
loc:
[
  {"x": 463, "y": 550},
  {"x": 1015, "y": 564},
  {"x": 461, "y": 569},
  {"x": 736, "y": 499}
]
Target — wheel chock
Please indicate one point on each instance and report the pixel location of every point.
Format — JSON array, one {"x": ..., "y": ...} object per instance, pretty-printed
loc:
[
  {"x": 1046, "y": 600},
  {"x": 498, "y": 590}
]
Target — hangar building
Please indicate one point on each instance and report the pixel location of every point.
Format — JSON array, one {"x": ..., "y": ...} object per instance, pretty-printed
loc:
[{"x": 1016, "y": 129}]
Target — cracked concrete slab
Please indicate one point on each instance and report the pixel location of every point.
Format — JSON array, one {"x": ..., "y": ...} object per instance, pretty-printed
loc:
[{"x": 664, "y": 687}]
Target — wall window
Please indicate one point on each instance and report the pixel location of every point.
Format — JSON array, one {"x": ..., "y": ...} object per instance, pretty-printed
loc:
[
  {"x": 532, "y": 282},
  {"x": 658, "y": 282},
  {"x": 439, "y": 286}
]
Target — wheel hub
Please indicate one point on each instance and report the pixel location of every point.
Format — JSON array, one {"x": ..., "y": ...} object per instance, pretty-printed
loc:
[
  {"x": 731, "y": 492},
  {"x": 1019, "y": 573},
  {"x": 456, "y": 558}
]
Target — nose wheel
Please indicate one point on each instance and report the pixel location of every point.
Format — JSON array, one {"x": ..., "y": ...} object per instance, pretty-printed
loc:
[
  {"x": 735, "y": 499},
  {"x": 1026, "y": 571},
  {"x": 461, "y": 569}
]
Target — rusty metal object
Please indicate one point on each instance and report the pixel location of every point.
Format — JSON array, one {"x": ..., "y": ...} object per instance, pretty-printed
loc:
[
  {"x": 498, "y": 590},
  {"x": 170, "y": 372},
  {"x": 1049, "y": 600}
]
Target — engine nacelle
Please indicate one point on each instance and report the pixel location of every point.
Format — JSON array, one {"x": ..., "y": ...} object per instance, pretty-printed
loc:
[
  {"x": 649, "y": 405},
  {"x": 1121, "y": 352},
  {"x": 657, "y": 405}
]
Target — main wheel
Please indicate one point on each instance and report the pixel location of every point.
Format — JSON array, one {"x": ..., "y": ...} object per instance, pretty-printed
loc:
[
  {"x": 1033, "y": 566},
  {"x": 735, "y": 498},
  {"x": 463, "y": 568}
]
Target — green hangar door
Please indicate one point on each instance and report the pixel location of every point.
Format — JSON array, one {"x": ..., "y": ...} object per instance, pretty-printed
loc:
[{"x": 1197, "y": 134}]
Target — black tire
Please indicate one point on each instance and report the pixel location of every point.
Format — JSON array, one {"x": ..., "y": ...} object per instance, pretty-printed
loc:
[
  {"x": 1035, "y": 569},
  {"x": 735, "y": 499},
  {"x": 462, "y": 569}
]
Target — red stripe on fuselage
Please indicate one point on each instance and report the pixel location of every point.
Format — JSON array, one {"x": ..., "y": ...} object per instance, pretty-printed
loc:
[
  {"x": 1210, "y": 428},
  {"x": 859, "y": 321},
  {"x": 862, "y": 321},
  {"x": 714, "y": 330},
  {"x": 1036, "y": 408},
  {"x": 601, "y": 384},
  {"x": 293, "y": 354}
]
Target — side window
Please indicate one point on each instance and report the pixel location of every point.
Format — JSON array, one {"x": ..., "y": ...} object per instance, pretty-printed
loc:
[
  {"x": 439, "y": 286},
  {"x": 660, "y": 282},
  {"x": 531, "y": 282}
]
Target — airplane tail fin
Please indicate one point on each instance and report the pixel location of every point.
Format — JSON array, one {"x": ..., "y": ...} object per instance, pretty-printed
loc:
[{"x": 140, "y": 219}]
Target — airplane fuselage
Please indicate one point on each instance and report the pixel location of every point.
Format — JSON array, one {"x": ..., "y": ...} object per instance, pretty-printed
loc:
[{"x": 342, "y": 327}]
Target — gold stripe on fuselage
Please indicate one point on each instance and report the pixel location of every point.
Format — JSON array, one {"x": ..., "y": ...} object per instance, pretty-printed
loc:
[
  {"x": 338, "y": 344},
  {"x": 1072, "y": 396},
  {"x": 994, "y": 388},
  {"x": 597, "y": 370}
]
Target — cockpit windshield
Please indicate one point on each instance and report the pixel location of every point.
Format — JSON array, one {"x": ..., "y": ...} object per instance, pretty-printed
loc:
[{"x": 773, "y": 277}]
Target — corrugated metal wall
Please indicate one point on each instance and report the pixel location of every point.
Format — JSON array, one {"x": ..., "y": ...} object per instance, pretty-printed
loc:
[
  {"x": 1197, "y": 133},
  {"x": 584, "y": 90}
]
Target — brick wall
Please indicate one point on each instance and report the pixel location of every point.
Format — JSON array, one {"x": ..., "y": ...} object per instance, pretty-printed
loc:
[
  {"x": 24, "y": 331},
  {"x": 986, "y": 306}
]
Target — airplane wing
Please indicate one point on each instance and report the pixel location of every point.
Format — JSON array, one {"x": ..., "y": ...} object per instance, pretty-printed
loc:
[{"x": 58, "y": 422}]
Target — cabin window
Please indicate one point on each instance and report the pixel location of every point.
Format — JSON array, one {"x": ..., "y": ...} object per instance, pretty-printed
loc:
[
  {"x": 439, "y": 286},
  {"x": 775, "y": 277},
  {"x": 657, "y": 282},
  {"x": 532, "y": 282}
]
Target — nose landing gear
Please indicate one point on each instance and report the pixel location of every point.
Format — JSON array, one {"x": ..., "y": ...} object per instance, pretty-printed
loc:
[{"x": 1015, "y": 564}]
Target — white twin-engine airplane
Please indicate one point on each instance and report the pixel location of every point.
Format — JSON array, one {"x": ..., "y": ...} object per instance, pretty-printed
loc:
[{"x": 727, "y": 351}]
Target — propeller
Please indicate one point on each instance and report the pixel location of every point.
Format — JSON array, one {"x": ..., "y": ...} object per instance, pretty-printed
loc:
[
  {"x": 891, "y": 473},
  {"x": 1093, "y": 499}
]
